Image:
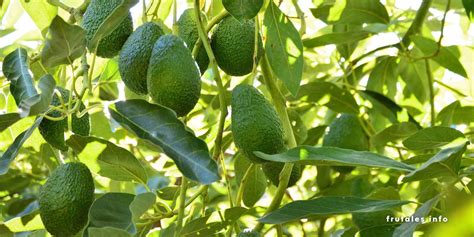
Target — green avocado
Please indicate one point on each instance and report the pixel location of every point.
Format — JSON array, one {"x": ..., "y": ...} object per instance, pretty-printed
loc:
[
  {"x": 173, "y": 78},
  {"x": 188, "y": 31},
  {"x": 255, "y": 123},
  {"x": 65, "y": 199},
  {"x": 96, "y": 13},
  {"x": 346, "y": 132},
  {"x": 273, "y": 169},
  {"x": 233, "y": 45},
  {"x": 135, "y": 55},
  {"x": 53, "y": 131}
]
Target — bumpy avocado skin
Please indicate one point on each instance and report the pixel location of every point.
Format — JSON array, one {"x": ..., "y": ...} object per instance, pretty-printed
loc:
[
  {"x": 65, "y": 199},
  {"x": 346, "y": 132},
  {"x": 173, "y": 78},
  {"x": 135, "y": 55},
  {"x": 255, "y": 123},
  {"x": 233, "y": 45},
  {"x": 273, "y": 169},
  {"x": 96, "y": 13},
  {"x": 53, "y": 131},
  {"x": 188, "y": 31}
]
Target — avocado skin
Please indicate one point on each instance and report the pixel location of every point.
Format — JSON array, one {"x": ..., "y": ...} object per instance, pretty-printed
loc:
[
  {"x": 188, "y": 31},
  {"x": 233, "y": 45},
  {"x": 273, "y": 169},
  {"x": 346, "y": 132},
  {"x": 173, "y": 78},
  {"x": 53, "y": 131},
  {"x": 96, "y": 13},
  {"x": 255, "y": 123},
  {"x": 135, "y": 55},
  {"x": 64, "y": 200}
]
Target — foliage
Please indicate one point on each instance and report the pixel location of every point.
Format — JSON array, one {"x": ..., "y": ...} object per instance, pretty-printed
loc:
[{"x": 236, "y": 118}]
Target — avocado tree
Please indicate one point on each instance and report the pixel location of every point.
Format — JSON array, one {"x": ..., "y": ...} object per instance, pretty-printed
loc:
[{"x": 236, "y": 118}]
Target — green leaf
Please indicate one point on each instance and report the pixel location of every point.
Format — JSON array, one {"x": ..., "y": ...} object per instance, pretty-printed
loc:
[
  {"x": 160, "y": 126},
  {"x": 364, "y": 11},
  {"x": 336, "y": 38},
  {"x": 446, "y": 115},
  {"x": 40, "y": 11},
  {"x": 408, "y": 228},
  {"x": 314, "y": 134},
  {"x": 255, "y": 186},
  {"x": 107, "y": 232},
  {"x": 414, "y": 75},
  {"x": 394, "y": 133},
  {"x": 443, "y": 57},
  {"x": 141, "y": 204},
  {"x": 382, "y": 104},
  {"x": 111, "y": 22},
  {"x": 243, "y": 9},
  {"x": 335, "y": 156},
  {"x": 64, "y": 43},
  {"x": 433, "y": 137},
  {"x": 328, "y": 206},
  {"x": 112, "y": 161},
  {"x": 283, "y": 48},
  {"x": 201, "y": 226},
  {"x": 40, "y": 102},
  {"x": 330, "y": 95},
  {"x": 384, "y": 76},
  {"x": 445, "y": 163},
  {"x": 12, "y": 151},
  {"x": 15, "y": 68},
  {"x": 112, "y": 210},
  {"x": 6, "y": 120},
  {"x": 469, "y": 7}
]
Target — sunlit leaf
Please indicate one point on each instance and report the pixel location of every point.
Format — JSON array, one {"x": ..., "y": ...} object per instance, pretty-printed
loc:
[
  {"x": 112, "y": 210},
  {"x": 335, "y": 38},
  {"x": 328, "y": 206},
  {"x": 335, "y": 156},
  {"x": 408, "y": 228},
  {"x": 243, "y": 9},
  {"x": 40, "y": 11},
  {"x": 6, "y": 120},
  {"x": 64, "y": 43},
  {"x": 432, "y": 137},
  {"x": 330, "y": 95},
  {"x": 283, "y": 48}
]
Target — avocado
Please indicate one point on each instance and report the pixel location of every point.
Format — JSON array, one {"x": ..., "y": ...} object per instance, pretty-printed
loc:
[
  {"x": 53, "y": 131},
  {"x": 233, "y": 45},
  {"x": 255, "y": 123},
  {"x": 273, "y": 169},
  {"x": 135, "y": 55},
  {"x": 173, "y": 78},
  {"x": 188, "y": 31},
  {"x": 96, "y": 13},
  {"x": 64, "y": 200},
  {"x": 346, "y": 132}
]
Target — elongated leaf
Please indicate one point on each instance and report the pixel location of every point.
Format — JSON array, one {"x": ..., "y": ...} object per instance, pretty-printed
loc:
[
  {"x": 243, "y": 9},
  {"x": 384, "y": 105},
  {"x": 64, "y": 43},
  {"x": 336, "y": 38},
  {"x": 6, "y": 120},
  {"x": 335, "y": 156},
  {"x": 160, "y": 126},
  {"x": 364, "y": 11},
  {"x": 113, "y": 162},
  {"x": 40, "y": 102},
  {"x": 15, "y": 68},
  {"x": 330, "y": 95},
  {"x": 201, "y": 226},
  {"x": 283, "y": 48},
  {"x": 12, "y": 151},
  {"x": 443, "y": 57},
  {"x": 141, "y": 204},
  {"x": 394, "y": 133},
  {"x": 112, "y": 210},
  {"x": 445, "y": 163},
  {"x": 254, "y": 187},
  {"x": 469, "y": 7},
  {"x": 328, "y": 206},
  {"x": 384, "y": 76},
  {"x": 111, "y": 22},
  {"x": 414, "y": 75},
  {"x": 408, "y": 228},
  {"x": 432, "y": 137},
  {"x": 40, "y": 11},
  {"x": 446, "y": 115}
]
